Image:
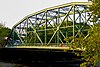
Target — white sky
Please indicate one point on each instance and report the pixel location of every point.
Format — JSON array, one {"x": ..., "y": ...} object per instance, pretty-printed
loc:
[{"x": 12, "y": 11}]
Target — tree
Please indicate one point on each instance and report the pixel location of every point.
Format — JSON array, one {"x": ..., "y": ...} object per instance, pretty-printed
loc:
[
  {"x": 95, "y": 9},
  {"x": 91, "y": 45},
  {"x": 4, "y": 32}
]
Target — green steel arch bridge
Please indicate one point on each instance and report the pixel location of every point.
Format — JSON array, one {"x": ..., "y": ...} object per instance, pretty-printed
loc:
[{"x": 48, "y": 28}]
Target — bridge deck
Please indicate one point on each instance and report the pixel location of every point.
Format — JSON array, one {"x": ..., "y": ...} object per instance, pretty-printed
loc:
[{"x": 48, "y": 48}]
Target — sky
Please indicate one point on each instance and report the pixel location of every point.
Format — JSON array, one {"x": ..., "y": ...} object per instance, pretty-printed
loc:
[{"x": 12, "y": 11}]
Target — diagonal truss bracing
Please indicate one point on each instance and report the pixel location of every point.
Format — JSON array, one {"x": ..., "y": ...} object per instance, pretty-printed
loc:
[{"x": 50, "y": 26}]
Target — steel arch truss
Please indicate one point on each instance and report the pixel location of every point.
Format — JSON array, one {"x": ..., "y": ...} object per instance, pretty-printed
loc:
[{"x": 50, "y": 26}]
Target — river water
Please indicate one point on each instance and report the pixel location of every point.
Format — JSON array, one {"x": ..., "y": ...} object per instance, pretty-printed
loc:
[{"x": 5, "y": 64}]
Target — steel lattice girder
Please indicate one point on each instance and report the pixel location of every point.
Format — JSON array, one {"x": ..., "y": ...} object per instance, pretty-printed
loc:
[{"x": 50, "y": 26}]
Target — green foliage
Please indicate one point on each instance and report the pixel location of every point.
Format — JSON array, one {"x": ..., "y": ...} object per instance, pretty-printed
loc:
[
  {"x": 95, "y": 9},
  {"x": 4, "y": 32},
  {"x": 92, "y": 45}
]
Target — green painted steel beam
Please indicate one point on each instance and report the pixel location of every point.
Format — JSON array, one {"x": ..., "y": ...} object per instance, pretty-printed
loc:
[
  {"x": 46, "y": 19},
  {"x": 36, "y": 32},
  {"x": 59, "y": 25},
  {"x": 55, "y": 7}
]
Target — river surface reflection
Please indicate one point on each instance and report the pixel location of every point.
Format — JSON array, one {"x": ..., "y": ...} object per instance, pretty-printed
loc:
[{"x": 6, "y": 64}]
